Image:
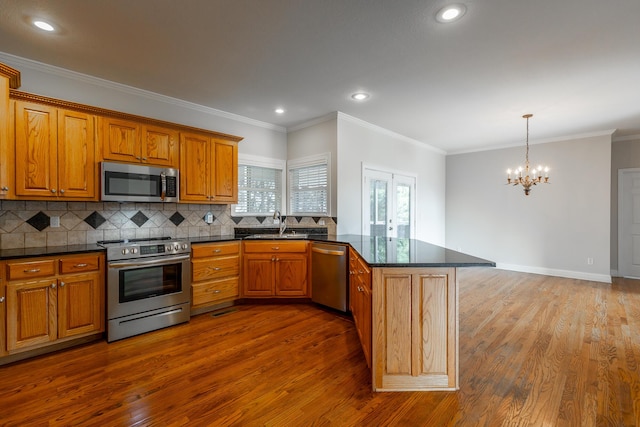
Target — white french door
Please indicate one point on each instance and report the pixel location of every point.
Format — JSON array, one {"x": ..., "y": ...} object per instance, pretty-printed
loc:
[{"x": 388, "y": 204}]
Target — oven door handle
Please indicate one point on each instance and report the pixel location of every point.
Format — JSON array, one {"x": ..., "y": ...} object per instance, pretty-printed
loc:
[{"x": 163, "y": 261}]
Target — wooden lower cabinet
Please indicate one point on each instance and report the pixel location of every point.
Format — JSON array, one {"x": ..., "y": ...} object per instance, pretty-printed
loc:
[
  {"x": 48, "y": 308},
  {"x": 276, "y": 269},
  {"x": 215, "y": 269},
  {"x": 415, "y": 330},
  {"x": 360, "y": 301}
]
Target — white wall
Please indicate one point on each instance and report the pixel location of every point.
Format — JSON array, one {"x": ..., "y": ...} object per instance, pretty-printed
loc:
[
  {"x": 315, "y": 138},
  {"x": 360, "y": 142},
  {"x": 261, "y": 139},
  {"x": 554, "y": 229}
]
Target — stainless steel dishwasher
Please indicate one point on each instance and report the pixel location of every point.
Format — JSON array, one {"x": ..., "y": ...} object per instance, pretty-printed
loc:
[{"x": 329, "y": 274}]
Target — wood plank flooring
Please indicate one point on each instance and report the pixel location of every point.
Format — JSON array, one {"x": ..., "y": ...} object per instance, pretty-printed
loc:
[{"x": 535, "y": 351}]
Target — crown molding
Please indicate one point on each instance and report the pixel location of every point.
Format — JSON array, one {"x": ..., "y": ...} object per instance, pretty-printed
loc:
[
  {"x": 130, "y": 90},
  {"x": 607, "y": 132},
  {"x": 313, "y": 122},
  {"x": 625, "y": 138},
  {"x": 388, "y": 132}
]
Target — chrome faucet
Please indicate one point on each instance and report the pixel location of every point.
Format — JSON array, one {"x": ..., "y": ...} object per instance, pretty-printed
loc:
[{"x": 283, "y": 221}]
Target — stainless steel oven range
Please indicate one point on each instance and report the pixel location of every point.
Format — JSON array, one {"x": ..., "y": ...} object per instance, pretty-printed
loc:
[{"x": 148, "y": 285}]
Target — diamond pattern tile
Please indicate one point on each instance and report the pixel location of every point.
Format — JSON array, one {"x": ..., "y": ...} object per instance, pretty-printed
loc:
[
  {"x": 261, "y": 219},
  {"x": 95, "y": 220},
  {"x": 236, "y": 219},
  {"x": 39, "y": 221},
  {"x": 176, "y": 218},
  {"x": 139, "y": 219}
]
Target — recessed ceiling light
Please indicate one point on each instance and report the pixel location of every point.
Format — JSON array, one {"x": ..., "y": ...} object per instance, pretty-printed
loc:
[
  {"x": 43, "y": 25},
  {"x": 279, "y": 110},
  {"x": 360, "y": 96},
  {"x": 451, "y": 13}
]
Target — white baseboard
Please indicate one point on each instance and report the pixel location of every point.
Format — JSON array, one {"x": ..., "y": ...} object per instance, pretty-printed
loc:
[{"x": 554, "y": 272}]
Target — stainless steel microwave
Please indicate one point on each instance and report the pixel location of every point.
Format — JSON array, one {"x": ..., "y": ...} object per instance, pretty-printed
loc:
[{"x": 121, "y": 182}]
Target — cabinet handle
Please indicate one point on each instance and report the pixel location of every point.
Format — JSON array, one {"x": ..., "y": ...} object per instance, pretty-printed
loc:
[
  {"x": 137, "y": 158},
  {"x": 81, "y": 265},
  {"x": 1, "y": 299},
  {"x": 32, "y": 270},
  {"x": 360, "y": 289},
  {"x": 216, "y": 291},
  {"x": 276, "y": 248},
  {"x": 53, "y": 286},
  {"x": 144, "y": 158},
  {"x": 217, "y": 268},
  {"x": 217, "y": 251},
  {"x": 53, "y": 190},
  {"x": 62, "y": 284}
]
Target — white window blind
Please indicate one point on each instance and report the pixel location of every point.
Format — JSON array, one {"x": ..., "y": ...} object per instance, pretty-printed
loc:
[
  {"x": 308, "y": 189},
  {"x": 259, "y": 190}
]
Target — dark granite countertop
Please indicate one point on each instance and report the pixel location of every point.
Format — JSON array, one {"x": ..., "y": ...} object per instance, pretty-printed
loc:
[
  {"x": 376, "y": 251},
  {"x": 48, "y": 251}
]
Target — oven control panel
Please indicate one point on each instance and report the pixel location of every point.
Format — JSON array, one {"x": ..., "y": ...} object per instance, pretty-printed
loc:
[{"x": 132, "y": 250}]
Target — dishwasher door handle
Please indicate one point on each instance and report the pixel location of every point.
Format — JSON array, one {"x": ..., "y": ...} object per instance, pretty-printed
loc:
[{"x": 327, "y": 251}]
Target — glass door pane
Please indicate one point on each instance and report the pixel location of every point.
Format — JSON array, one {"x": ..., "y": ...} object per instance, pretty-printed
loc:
[{"x": 378, "y": 209}]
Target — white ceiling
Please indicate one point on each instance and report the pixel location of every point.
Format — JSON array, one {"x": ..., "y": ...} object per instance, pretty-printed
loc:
[{"x": 574, "y": 64}]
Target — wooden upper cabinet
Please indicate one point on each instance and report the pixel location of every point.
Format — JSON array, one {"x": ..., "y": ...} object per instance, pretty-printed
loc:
[
  {"x": 132, "y": 142},
  {"x": 54, "y": 153},
  {"x": 226, "y": 171},
  {"x": 159, "y": 146},
  {"x": 195, "y": 177},
  {"x": 120, "y": 140},
  {"x": 77, "y": 168},
  {"x": 9, "y": 78},
  {"x": 208, "y": 169}
]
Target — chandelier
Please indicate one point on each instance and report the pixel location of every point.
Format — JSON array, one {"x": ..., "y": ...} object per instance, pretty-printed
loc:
[{"x": 525, "y": 177}]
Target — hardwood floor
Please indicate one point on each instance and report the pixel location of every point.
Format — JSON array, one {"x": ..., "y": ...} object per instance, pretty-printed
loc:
[{"x": 535, "y": 351}]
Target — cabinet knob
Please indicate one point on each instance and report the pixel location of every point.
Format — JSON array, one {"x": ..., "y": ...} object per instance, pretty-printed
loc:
[
  {"x": 276, "y": 248},
  {"x": 144, "y": 158},
  {"x": 1, "y": 299},
  {"x": 53, "y": 190},
  {"x": 273, "y": 259},
  {"x": 277, "y": 259},
  {"x": 53, "y": 286},
  {"x": 62, "y": 191},
  {"x": 137, "y": 158},
  {"x": 62, "y": 284},
  {"x": 5, "y": 188}
]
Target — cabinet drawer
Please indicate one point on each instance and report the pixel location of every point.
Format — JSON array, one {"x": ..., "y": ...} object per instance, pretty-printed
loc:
[
  {"x": 275, "y": 246},
  {"x": 80, "y": 264},
  {"x": 31, "y": 269},
  {"x": 216, "y": 249},
  {"x": 206, "y": 269},
  {"x": 206, "y": 293}
]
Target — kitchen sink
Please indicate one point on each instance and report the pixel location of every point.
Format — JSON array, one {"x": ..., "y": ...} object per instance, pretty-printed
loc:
[{"x": 271, "y": 236}]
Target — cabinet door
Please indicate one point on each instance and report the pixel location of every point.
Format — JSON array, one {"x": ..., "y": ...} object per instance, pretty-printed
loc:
[
  {"x": 195, "y": 176},
  {"x": 258, "y": 275},
  {"x": 35, "y": 149},
  {"x": 3, "y": 317},
  {"x": 159, "y": 146},
  {"x": 31, "y": 314},
  {"x": 416, "y": 329},
  {"x": 76, "y": 155},
  {"x": 226, "y": 171},
  {"x": 80, "y": 304},
  {"x": 6, "y": 139},
  {"x": 120, "y": 140},
  {"x": 291, "y": 274}
]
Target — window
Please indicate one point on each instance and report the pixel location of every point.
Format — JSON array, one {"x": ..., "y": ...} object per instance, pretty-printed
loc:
[
  {"x": 260, "y": 184},
  {"x": 309, "y": 186}
]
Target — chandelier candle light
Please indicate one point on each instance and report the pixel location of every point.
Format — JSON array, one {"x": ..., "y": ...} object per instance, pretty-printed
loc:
[{"x": 532, "y": 177}]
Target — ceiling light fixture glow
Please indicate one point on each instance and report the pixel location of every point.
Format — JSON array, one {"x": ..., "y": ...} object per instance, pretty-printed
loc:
[
  {"x": 451, "y": 13},
  {"x": 360, "y": 96},
  {"x": 44, "y": 25},
  {"x": 279, "y": 110}
]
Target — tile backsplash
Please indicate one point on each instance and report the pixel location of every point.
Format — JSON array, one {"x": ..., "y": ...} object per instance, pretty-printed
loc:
[{"x": 25, "y": 224}]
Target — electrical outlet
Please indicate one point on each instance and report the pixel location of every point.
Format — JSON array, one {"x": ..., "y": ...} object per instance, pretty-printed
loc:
[
  {"x": 321, "y": 222},
  {"x": 54, "y": 222},
  {"x": 208, "y": 218},
  {"x": 590, "y": 261}
]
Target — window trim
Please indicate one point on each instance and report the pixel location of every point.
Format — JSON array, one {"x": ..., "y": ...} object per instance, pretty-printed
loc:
[
  {"x": 301, "y": 162},
  {"x": 264, "y": 162}
]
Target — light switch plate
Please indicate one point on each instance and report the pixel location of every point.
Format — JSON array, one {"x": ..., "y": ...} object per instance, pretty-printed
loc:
[{"x": 54, "y": 221}]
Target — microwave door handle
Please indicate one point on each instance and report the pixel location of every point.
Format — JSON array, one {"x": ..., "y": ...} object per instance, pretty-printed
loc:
[{"x": 163, "y": 180}]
